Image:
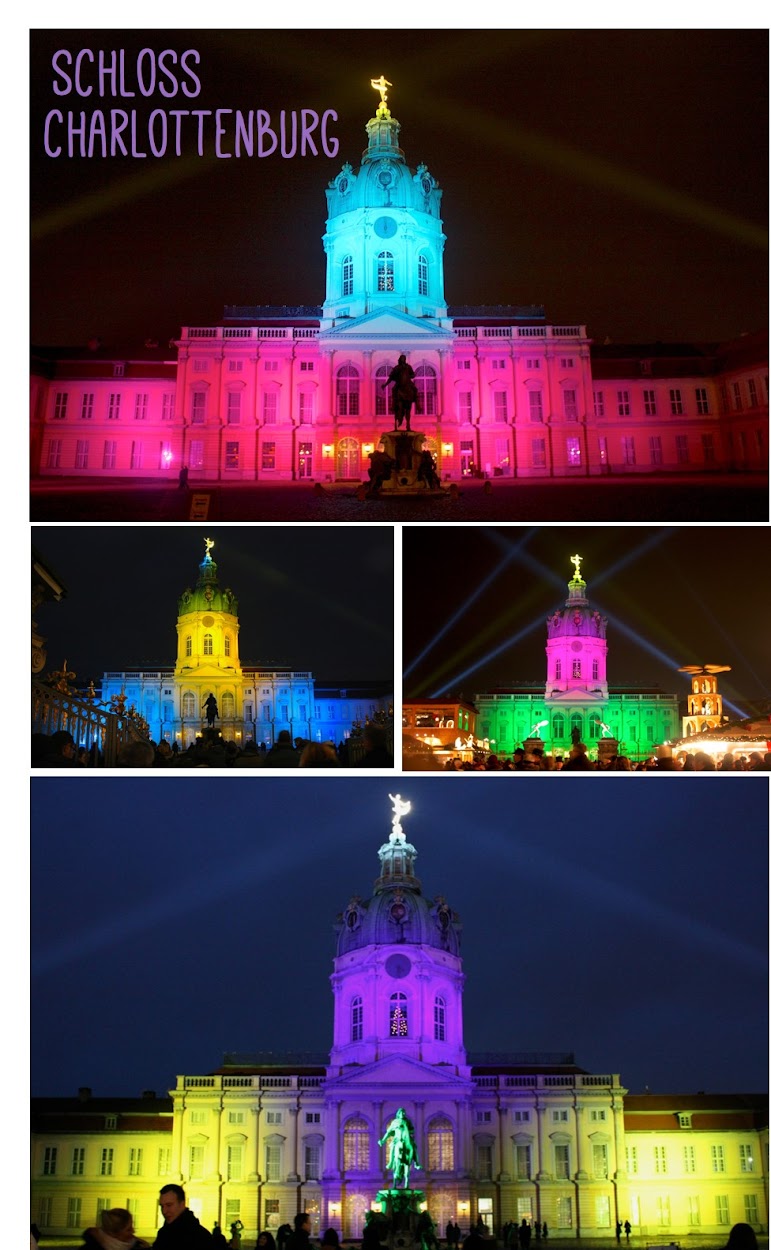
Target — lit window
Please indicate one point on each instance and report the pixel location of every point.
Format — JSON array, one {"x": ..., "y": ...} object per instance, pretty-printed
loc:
[
  {"x": 500, "y": 406},
  {"x": 357, "y": 1020},
  {"x": 208, "y": 644},
  {"x": 232, "y": 455},
  {"x": 440, "y": 1141},
  {"x": 347, "y": 390},
  {"x": 347, "y": 269},
  {"x": 425, "y": 381},
  {"x": 439, "y": 1020},
  {"x": 627, "y": 450},
  {"x": 576, "y": 668},
  {"x": 422, "y": 276},
  {"x": 356, "y": 1145},
  {"x": 385, "y": 272},
  {"x": 398, "y": 1015},
  {"x": 268, "y": 456},
  {"x": 746, "y": 1160}
]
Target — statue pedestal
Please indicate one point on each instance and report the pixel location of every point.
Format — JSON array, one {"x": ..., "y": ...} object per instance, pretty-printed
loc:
[
  {"x": 401, "y": 1207},
  {"x": 405, "y": 449}
]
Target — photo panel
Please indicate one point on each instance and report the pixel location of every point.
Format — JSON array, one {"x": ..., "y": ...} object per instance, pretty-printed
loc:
[{"x": 599, "y": 649}]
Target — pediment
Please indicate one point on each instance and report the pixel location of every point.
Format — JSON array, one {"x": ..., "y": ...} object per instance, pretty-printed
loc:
[
  {"x": 398, "y": 1073},
  {"x": 389, "y": 324}
]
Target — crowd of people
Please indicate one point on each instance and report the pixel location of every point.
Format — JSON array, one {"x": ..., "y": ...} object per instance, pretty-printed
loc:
[
  {"x": 535, "y": 759},
  {"x": 59, "y": 750}
]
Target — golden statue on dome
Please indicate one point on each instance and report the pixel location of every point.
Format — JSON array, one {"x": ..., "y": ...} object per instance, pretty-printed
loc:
[
  {"x": 576, "y": 562},
  {"x": 380, "y": 84}
]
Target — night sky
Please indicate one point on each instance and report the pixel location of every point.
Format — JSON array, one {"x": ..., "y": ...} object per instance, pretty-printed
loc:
[
  {"x": 673, "y": 596},
  {"x": 620, "y": 178},
  {"x": 315, "y": 598},
  {"x": 175, "y": 920}
]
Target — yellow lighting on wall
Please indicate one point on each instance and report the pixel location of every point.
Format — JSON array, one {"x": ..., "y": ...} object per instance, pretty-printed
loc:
[
  {"x": 335, "y": 1210},
  {"x": 448, "y": 449},
  {"x": 327, "y": 448},
  {"x": 368, "y": 448}
]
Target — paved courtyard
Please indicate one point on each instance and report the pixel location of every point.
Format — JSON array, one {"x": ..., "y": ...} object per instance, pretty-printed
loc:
[{"x": 725, "y": 497}]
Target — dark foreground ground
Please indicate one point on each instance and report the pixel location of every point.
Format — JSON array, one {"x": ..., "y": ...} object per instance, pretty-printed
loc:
[
  {"x": 695, "y": 1242},
  {"x": 726, "y": 497}
]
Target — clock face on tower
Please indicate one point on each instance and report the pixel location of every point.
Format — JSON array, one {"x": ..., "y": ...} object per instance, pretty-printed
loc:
[
  {"x": 398, "y": 966},
  {"x": 385, "y": 227}
]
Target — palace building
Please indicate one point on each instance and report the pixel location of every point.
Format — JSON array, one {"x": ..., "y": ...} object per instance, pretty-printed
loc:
[
  {"x": 499, "y": 1136},
  {"x": 296, "y": 393},
  {"x": 254, "y": 702},
  {"x": 577, "y": 699}
]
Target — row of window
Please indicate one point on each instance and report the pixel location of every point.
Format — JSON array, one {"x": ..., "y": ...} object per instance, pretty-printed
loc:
[
  {"x": 159, "y": 1159},
  {"x": 347, "y": 391},
  {"x": 531, "y": 363},
  {"x": 384, "y": 274},
  {"x": 563, "y": 1206},
  {"x": 665, "y": 1159},
  {"x": 576, "y": 669},
  {"x": 562, "y": 729},
  {"x": 622, "y": 405},
  {"x": 114, "y": 406}
]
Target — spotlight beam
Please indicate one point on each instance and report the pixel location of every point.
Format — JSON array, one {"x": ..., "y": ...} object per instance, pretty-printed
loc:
[{"x": 491, "y": 577}]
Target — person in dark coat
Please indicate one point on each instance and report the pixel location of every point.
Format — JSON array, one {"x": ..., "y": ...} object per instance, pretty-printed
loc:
[
  {"x": 182, "y": 1230},
  {"x": 301, "y": 1237},
  {"x": 376, "y": 753},
  {"x": 283, "y": 755}
]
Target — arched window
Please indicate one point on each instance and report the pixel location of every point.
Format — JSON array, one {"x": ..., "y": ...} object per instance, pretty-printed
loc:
[
  {"x": 558, "y": 670},
  {"x": 228, "y": 706},
  {"x": 576, "y": 722},
  {"x": 425, "y": 381},
  {"x": 347, "y": 388},
  {"x": 381, "y": 396},
  {"x": 227, "y": 644},
  {"x": 397, "y": 1015},
  {"x": 188, "y": 705},
  {"x": 357, "y": 1020},
  {"x": 347, "y": 287},
  {"x": 422, "y": 276},
  {"x": 439, "y": 1019},
  {"x": 440, "y": 1141},
  {"x": 208, "y": 644},
  {"x": 558, "y": 726},
  {"x": 188, "y": 645},
  {"x": 356, "y": 1137},
  {"x": 385, "y": 272}
]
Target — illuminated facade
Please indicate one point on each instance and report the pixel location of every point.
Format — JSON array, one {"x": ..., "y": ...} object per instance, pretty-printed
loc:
[
  {"x": 297, "y": 393},
  {"x": 577, "y": 698},
  {"x": 499, "y": 1137},
  {"x": 253, "y": 703}
]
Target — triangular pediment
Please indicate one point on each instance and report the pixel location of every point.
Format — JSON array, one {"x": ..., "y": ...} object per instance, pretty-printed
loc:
[
  {"x": 398, "y": 1073},
  {"x": 388, "y": 324}
]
